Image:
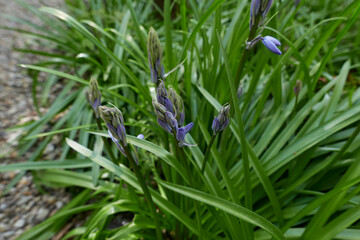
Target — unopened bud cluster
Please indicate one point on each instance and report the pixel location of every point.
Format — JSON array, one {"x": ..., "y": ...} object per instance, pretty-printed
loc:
[
  {"x": 170, "y": 112},
  {"x": 221, "y": 121}
]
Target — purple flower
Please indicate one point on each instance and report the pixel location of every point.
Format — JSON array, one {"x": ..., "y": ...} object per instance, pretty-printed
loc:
[
  {"x": 222, "y": 120},
  {"x": 271, "y": 43},
  {"x": 181, "y": 132},
  {"x": 140, "y": 136}
]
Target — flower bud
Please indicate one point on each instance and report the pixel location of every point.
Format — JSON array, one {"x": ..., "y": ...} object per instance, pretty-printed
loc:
[
  {"x": 297, "y": 87},
  {"x": 114, "y": 122},
  {"x": 178, "y": 105},
  {"x": 162, "y": 97},
  {"x": 154, "y": 56},
  {"x": 160, "y": 110},
  {"x": 222, "y": 120},
  {"x": 93, "y": 96},
  {"x": 259, "y": 8}
]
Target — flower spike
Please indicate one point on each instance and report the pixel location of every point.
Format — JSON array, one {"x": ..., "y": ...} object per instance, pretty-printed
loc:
[
  {"x": 154, "y": 56},
  {"x": 93, "y": 95}
]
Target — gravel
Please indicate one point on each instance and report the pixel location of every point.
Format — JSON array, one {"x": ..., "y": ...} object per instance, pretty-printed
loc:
[{"x": 24, "y": 206}]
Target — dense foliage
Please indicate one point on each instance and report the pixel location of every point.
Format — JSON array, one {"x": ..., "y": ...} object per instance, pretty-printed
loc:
[{"x": 282, "y": 157}]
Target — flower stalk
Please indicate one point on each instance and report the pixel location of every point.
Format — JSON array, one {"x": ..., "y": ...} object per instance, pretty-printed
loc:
[{"x": 116, "y": 129}]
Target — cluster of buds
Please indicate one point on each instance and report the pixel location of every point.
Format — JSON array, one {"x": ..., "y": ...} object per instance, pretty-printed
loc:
[
  {"x": 93, "y": 95},
  {"x": 222, "y": 120},
  {"x": 170, "y": 112},
  {"x": 258, "y": 11},
  {"x": 115, "y": 123},
  {"x": 154, "y": 56}
]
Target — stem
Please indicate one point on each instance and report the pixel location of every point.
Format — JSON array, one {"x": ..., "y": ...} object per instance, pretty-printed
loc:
[
  {"x": 206, "y": 157},
  {"x": 181, "y": 154},
  {"x": 145, "y": 189},
  {"x": 245, "y": 53},
  {"x": 106, "y": 143}
]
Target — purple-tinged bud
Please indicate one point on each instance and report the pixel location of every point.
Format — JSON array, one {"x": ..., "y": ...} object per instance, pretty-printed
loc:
[
  {"x": 162, "y": 97},
  {"x": 160, "y": 110},
  {"x": 297, "y": 87},
  {"x": 178, "y": 105},
  {"x": 259, "y": 8},
  {"x": 154, "y": 56},
  {"x": 114, "y": 122},
  {"x": 165, "y": 126},
  {"x": 171, "y": 120},
  {"x": 222, "y": 120},
  {"x": 181, "y": 132},
  {"x": 93, "y": 95},
  {"x": 140, "y": 136},
  {"x": 271, "y": 43}
]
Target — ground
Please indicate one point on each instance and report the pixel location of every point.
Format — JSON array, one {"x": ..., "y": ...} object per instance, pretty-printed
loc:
[{"x": 24, "y": 206}]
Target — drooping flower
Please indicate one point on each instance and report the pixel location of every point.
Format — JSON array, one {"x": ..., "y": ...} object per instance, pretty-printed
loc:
[
  {"x": 115, "y": 124},
  {"x": 271, "y": 43},
  {"x": 93, "y": 96},
  {"x": 181, "y": 132},
  {"x": 154, "y": 56},
  {"x": 222, "y": 120},
  {"x": 259, "y": 8}
]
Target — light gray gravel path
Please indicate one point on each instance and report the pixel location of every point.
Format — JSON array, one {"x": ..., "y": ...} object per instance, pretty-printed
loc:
[{"x": 24, "y": 206}]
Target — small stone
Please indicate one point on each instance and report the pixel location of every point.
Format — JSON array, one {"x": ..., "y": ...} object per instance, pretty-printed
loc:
[
  {"x": 19, "y": 223},
  {"x": 59, "y": 204},
  {"x": 8, "y": 234},
  {"x": 42, "y": 214}
]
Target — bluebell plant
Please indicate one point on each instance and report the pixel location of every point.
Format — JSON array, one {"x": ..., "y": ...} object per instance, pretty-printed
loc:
[{"x": 220, "y": 122}]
